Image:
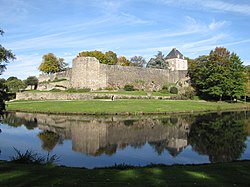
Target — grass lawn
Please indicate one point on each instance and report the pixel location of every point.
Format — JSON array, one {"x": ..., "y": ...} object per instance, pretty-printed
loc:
[
  {"x": 226, "y": 174},
  {"x": 129, "y": 106}
]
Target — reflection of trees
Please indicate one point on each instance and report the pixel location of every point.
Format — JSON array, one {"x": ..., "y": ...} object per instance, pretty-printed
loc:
[
  {"x": 222, "y": 137},
  {"x": 158, "y": 146},
  {"x": 12, "y": 120},
  {"x": 49, "y": 140},
  {"x": 108, "y": 150}
]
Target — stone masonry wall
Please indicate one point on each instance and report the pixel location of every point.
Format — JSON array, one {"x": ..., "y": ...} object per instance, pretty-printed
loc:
[
  {"x": 119, "y": 76},
  {"x": 88, "y": 72},
  {"x": 59, "y": 75}
]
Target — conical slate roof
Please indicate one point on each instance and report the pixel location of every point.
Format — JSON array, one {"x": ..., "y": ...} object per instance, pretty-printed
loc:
[{"x": 175, "y": 54}]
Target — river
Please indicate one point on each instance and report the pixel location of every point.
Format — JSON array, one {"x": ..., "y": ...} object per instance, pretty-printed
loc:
[{"x": 102, "y": 141}]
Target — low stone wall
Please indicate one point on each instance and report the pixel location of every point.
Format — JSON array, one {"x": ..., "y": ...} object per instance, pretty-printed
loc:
[{"x": 79, "y": 96}]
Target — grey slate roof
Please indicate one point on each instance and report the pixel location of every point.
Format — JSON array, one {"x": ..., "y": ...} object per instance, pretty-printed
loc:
[{"x": 174, "y": 54}]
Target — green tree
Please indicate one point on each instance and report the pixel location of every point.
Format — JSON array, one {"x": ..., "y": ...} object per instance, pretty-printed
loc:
[
  {"x": 123, "y": 61},
  {"x": 52, "y": 64},
  {"x": 112, "y": 57},
  {"x": 12, "y": 78},
  {"x": 218, "y": 75},
  {"x": 31, "y": 81},
  {"x": 158, "y": 62},
  {"x": 62, "y": 64},
  {"x": 5, "y": 56},
  {"x": 138, "y": 61},
  {"x": 3, "y": 87},
  {"x": 15, "y": 85}
]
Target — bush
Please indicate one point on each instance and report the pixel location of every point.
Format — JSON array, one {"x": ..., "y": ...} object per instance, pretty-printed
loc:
[
  {"x": 189, "y": 93},
  {"x": 55, "y": 90},
  {"x": 165, "y": 87},
  {"x": 129, "y": 87},
  {"x": 173, "y": 90},
  {"x": 81, "y": 90}
]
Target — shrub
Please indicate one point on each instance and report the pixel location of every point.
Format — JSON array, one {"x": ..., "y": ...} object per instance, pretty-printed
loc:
[
  {"x": 165, "y": 87},
  {"x": 58, "y": 80},
  {"x": 81, "y": 90},
  {"x": 189, "y": 93},
  {"x": 129, "y": 87},
  {"x": 55, "y": 90},
  {"x": 29, "y": 157},
  {"x": 173, "y": 90}
]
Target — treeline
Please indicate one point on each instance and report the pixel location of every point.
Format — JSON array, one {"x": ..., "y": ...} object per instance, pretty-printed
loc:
[{"x": 13, "y": 84}]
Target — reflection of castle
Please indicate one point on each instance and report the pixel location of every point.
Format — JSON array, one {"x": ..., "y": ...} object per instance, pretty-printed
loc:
[{"x": 97, "y": 136}]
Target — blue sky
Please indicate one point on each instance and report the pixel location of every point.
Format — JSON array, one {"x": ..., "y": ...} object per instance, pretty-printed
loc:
[{"x": 128, "y": 27}]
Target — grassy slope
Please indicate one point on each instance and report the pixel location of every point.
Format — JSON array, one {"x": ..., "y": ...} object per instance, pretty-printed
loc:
[
  {"x": 227, "y": 174},
  {"x": 120, "y": 106}
]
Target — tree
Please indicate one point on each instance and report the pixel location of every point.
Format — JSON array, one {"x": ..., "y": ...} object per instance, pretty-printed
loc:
[
  {"x": 97, "y": 54},
  {"x": 3, "y": 87},
  {"x": 31, "y": 81},
  {"x": 15, "y": 85},
  {"x": 12, "y": 78},
  {"x": 138, "y": 61},
  {"x": 112, "y": 57},
  {"x": 52, "y": 64},
  {"x": 5, "y": 56},
  {"x": 218, "y": 75},
  {"x": 158, "y": 62},
  {"x": 62, "y": 64},
  {"x": 123, "y": 61}
]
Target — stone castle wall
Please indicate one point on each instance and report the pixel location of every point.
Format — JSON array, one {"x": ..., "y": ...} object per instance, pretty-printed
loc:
[
  {"x": 59, "y": 75},
  {"x": 88, "y": 72}
]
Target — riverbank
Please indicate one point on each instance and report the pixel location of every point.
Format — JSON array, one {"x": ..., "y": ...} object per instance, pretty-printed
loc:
[
  {"x": 220, "y": 174},
  {"x": 122, "y": 106}
]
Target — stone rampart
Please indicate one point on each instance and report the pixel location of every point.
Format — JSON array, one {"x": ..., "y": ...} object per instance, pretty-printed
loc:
[
  {"x": 88, "y": 72},
  {"x": 59, "y": 75},
  {"x": 79, "y": 96}
]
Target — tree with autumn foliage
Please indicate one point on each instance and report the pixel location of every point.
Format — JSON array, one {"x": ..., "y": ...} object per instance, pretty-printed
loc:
[
  {"x": 123, "y": 61},
  {"x": 219, "y": 75},
  {"x": 52, "y": 64}
]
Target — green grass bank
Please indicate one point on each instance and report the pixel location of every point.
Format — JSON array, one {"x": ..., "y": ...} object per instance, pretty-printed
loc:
[
  {"x": 129, "y": 106},
  {"x": 221, "y": 174}
]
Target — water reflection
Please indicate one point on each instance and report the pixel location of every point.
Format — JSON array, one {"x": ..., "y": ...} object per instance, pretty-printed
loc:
[{"x": 220, "y": 136}]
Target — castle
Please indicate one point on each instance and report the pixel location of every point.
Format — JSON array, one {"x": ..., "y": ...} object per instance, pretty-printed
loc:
[{"x": 88, "y": 72}]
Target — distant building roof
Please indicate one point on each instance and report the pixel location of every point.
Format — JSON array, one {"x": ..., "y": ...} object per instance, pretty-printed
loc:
[{"x": 175, "y": 54}]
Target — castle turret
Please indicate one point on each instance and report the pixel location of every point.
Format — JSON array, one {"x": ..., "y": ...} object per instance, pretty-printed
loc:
[{"x": 176, "y": 60}]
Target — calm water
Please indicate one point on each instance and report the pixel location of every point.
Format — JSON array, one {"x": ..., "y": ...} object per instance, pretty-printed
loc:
[{"x": 88, "y": 141}]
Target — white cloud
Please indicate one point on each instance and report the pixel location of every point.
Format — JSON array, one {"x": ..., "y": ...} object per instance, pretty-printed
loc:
[
  {"x": 211, "y": 5},
  {"x": 217, "y": 25}
]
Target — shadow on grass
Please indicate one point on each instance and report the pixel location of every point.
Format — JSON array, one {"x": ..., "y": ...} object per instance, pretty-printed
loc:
[{"x": 227, "y": 174}]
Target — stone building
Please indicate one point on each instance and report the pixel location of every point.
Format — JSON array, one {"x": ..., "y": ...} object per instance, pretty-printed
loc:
[
  {"x": 88, "y": 72},
  {"x": 176, "y": 60}
]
